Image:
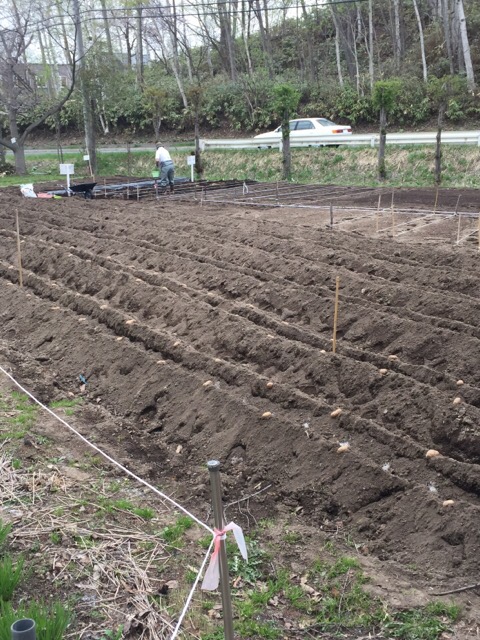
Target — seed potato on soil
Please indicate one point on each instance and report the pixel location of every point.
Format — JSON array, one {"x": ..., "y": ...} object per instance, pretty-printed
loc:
[{"x": 207, "y": 292}]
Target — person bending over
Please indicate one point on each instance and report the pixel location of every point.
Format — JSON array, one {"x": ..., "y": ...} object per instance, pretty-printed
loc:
[{"x": 164, "y": 162}]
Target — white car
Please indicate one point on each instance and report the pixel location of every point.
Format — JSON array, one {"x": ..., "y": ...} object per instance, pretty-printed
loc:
[{"x": 304, "y": 128}]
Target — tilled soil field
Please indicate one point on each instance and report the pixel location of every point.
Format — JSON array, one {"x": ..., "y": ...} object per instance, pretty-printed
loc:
[{"x": 190, "y": 323}]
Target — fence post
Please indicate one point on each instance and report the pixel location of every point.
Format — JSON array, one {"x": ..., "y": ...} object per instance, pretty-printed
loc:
[{"x": 215, "y": 485}]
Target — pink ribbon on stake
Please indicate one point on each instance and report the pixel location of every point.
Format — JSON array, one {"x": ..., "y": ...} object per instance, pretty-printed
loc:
[{"x": 211, "y": 579}]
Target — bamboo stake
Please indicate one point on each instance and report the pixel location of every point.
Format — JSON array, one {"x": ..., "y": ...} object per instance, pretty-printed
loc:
[
  {"x": 138, "y": 193},
  {"x": 458, "y": 202},
  {"x": 331, "y": 216},
  {"x": 458, "y": 229},
  {"x": 393, "y": 221},
  {"x": 335, "y": 315},
  {"x": 20, "y": 275},
  {"x": 378, "y": 212},
  {"x": 105, "y": 187}
]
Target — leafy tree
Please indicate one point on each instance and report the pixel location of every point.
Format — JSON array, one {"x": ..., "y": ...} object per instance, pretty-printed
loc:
[
  {"x": 384, "y": 97},
  {"x": 286, "y": 100},
  {"x": 156, "y": 105}
]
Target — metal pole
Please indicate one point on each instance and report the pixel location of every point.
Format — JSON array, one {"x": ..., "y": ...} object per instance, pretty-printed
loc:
[
  {"x": 335, "y": 315},
  {"x": 378, "y": 212},
  {"x": 215, "y": 485},
  {"x": 20, "y": 276}
]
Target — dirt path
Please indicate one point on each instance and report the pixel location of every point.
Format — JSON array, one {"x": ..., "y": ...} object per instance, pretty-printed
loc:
[{"x": 150, "y": 301}]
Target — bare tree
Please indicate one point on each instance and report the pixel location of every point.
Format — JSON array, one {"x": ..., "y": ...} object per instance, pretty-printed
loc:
[
  {"x": 370, "y": 44},
  {"x": 422, "y": 41},
  {"x": 397, "y": 38},
  {"x": 18, "y": 90},
  {"x": 465, "y": 45}
]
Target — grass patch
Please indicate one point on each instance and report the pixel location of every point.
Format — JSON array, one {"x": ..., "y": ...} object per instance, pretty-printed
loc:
[
  {"x": 333, "y": 597},
  {"x": 19, "y": 414},
  {"x": 173, "y": 534},
  {"x": 51, "y": 620},
  {"x": 10, "y": 576},
  {"x": 427, "y": 623},
  {"x": 4, "y": 533},
  {"x": 121, "y": 504},
  {"x": 67, "y": 404},
  {"x": 409, "y": 166}
]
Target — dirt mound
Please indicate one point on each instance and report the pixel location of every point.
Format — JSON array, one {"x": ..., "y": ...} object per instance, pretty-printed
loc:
[{"x": 200, "y": 328}]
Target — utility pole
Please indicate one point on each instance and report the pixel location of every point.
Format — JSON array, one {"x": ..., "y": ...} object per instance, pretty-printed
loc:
[{"x": 86, "y": 101}]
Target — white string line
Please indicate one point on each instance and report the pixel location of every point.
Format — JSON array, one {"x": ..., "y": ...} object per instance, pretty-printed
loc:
[
  {"x": 151, "y": 487},
  {"x": 190, "y": 595},
  {"x": 109, "y": 458}
]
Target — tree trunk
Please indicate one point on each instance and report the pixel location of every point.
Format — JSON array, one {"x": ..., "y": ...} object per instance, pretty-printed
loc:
[
  {"x": 397, "y": 41},
  {"x": 345, "y": 41},
  {"x": 438, "y": 147},
  {"x": 337, "y": 53},
  {"x": 382, "y": 173},
  {"x": 198, "y": 155},
  {"x": 264, "y": 39},
  {"x": 286, "y": 152},
  {"x": 139, "y": 52},
  {"x": 90, "y": 142},
  {"x": 106, "y": 26},
  {"x": 465, "y": 46},
  {"x": 129, "y": 46},
  {"x": 245, "y": 15},
  {"x": 370, "y": 44},
  {"x": 227, "y": 39},
  {"x": 355, "y": 55},
  {"x": 17, "y": 145},
  {"x": 422, "y": 41},
  {"x": 447, "y": 33}
]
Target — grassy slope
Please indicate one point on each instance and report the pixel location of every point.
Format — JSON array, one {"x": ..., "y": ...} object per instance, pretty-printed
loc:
[{"x": 407, "y": 166}]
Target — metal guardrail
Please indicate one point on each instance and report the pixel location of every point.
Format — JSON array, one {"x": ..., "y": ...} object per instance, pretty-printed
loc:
[{"x": 354, "y": 140}]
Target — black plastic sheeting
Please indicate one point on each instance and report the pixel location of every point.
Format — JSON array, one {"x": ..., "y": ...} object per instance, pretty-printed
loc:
[{"x": 109, "y": 188}]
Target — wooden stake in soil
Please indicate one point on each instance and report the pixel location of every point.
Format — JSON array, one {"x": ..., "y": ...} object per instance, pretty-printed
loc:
[
  {"x": 378, "y": 212},
  {"x": 105, "y": 187},
  {"x": 458, "y": 228},
  {"x": 335, "y": 314},
  {"x": 215, "y": 485},
  {"x": 393, "y": 221},
  {"x": 138, "y": 193},
  {"x": 331, "y": 216},
  {"x": 436, "y": 202},
  {"x": 20, "y": 275}
]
